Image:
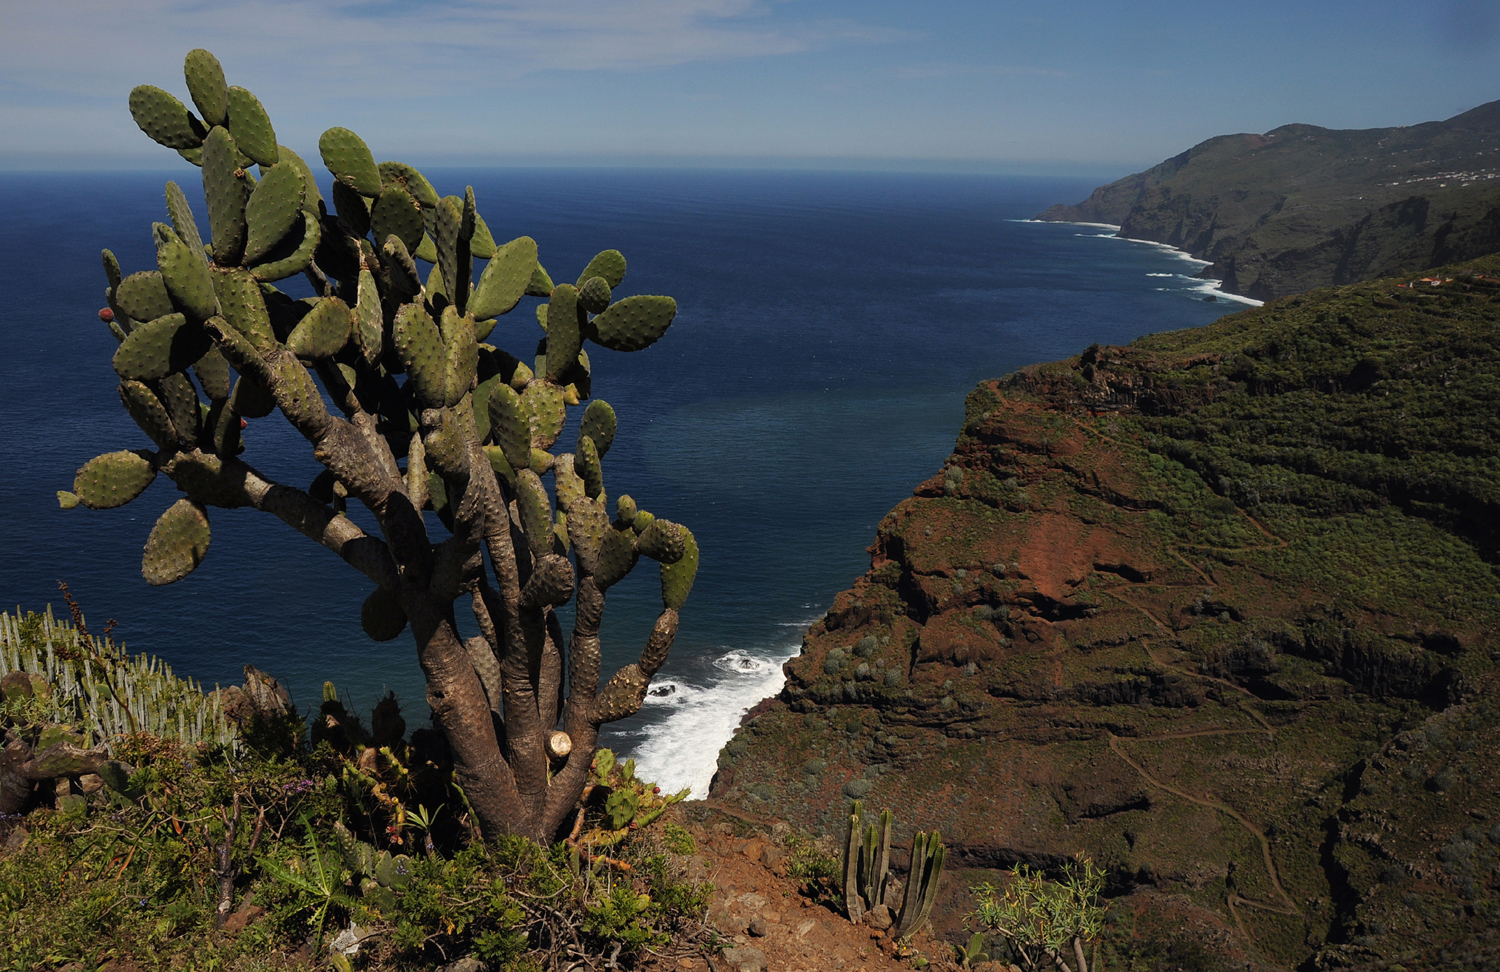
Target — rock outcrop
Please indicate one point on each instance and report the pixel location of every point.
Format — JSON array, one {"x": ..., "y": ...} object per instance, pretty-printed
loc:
[{"x": 1217, "y": 609}]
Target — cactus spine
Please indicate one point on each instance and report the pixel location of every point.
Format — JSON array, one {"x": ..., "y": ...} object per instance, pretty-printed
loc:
[{"x": 423, "y": 416}]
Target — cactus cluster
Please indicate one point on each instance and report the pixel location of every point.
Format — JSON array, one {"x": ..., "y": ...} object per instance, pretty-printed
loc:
[
  {"x": 96, "y": 691},
  {"x": 394, "y": 376},
  {"x": 377, "y": 874},
  {"x": 868, "y": 882}
]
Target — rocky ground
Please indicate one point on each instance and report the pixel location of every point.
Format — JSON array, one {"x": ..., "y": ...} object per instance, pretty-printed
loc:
[
  {"x": 767, "y": 919},
  {"x": 1218, "y": 610}
]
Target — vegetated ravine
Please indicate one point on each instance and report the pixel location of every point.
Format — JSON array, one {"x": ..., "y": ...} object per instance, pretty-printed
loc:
[{"x": 1216, "y": 608}]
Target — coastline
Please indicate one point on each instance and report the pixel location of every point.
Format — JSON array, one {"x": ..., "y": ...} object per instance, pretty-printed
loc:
[{"x": 1211, "y": 286}]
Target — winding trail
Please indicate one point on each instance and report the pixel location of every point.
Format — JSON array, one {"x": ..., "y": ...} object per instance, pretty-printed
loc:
[
  {"x": 1287, "y": 908},
  {"x": 1234, "y": 899}
]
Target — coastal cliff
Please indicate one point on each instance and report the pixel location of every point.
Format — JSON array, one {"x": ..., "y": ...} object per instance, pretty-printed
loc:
[
  {"x": 1303, "y": 207},
  {"x": 1218, "y": 609}
]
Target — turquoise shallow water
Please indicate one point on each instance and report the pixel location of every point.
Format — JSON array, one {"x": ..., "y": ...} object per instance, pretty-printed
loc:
[{"x": 829, "y": 326}]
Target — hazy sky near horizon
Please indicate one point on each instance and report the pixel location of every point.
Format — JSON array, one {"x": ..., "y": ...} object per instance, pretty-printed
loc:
[{"x": 1068, "y": 85}]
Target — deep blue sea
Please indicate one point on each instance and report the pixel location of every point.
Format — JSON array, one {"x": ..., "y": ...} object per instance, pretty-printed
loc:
[{"x": 829, "y": 326}]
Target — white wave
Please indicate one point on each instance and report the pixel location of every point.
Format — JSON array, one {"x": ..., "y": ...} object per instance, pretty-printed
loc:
[
  {"x": 1201, "y": 285},
  {"x": 1206, "y": 287},
  {"x": 682, "y": 749},
  {"x": 1066, "y": 222}
]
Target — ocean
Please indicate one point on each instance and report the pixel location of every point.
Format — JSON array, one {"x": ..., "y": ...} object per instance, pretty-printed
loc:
[{"x": 829, "y": 326}]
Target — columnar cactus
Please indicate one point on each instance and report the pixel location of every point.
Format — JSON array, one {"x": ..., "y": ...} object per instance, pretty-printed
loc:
[
  {"x": 426, "y": 413},
  {"x": 927, "y": 858},
  {"x": 867, "y": 860}
]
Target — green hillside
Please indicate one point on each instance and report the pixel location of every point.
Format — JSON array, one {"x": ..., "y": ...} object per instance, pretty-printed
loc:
[{"x": 1302, "y": 207}]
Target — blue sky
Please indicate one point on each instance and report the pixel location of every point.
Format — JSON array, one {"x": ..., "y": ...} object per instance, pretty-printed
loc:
[{"x": 1070, "y": 86}]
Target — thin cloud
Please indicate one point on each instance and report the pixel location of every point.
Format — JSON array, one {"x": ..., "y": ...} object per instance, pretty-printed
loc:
[
  {"x": 923, "y": 71},
  {"x": 73, "y": 44}
]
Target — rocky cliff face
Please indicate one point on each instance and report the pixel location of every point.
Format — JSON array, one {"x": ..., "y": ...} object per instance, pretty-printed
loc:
[
  {"x": 1217, "y": 609},
  {"x": 1302, "y": 206}
]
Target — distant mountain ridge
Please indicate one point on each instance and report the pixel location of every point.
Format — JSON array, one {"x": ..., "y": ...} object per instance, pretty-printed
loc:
[{"x": 1303, "y": 207}]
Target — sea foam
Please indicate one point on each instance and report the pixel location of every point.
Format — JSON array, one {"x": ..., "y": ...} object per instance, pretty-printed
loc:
[{"x": 692, "y": 722}]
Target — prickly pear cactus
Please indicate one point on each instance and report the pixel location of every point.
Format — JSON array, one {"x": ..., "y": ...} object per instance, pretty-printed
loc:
[{"x": 392, "y": 369}]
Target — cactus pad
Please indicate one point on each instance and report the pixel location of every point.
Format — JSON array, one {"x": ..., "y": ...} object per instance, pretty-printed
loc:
[
  {"x": 251, "y": 399},
  {"x": 311, "y": 195},
  {"x": 164, "y": 346},
  {"x": 421, "y": 350},
  {"x": 348, "y": 157},
  {"x": 113, "y": 479},
  {"x": 446, "y": 230},
  {"x": 251, "y": 127},
  {"x": 205, "y": 82},
  {"x": 206, "y": 481},
  {"x": 244, "y": 307},
  {"x": 599, "y": 424},
  {"x": 633, "y": 323},
  {"x": 564, "y": 330},
  {"x": 274, "y": 208},
  {"x": 482, "y": 244},
  {"x": 463, "y": 354},
  {"x": 295, "y": 392},
  {"x": 142, "y": 405},
  {"x": 587, "y": 526},
  {"x": 144, "y": 296},
  {"x": 394, "y": 872},
  {"x": 662, "y": 541},
  {"x": 504, "y": 471},
  {"x": 177, "y": 543},
  {"x": 324, "y": 331},
  {"x": 369, "y": 324},
  {"x": 594, "y": 295},
  {"x": 617, "y": 556},
  {"x": 402, "y": 175},
  {"x": 213, "y": 374},
  {"x": 177, "y": 394},
  {"x": 623, "y": 695},
  {"x": 426, "y": 250},
  {"x": 381, "y": 615},
  {"x": 589, "y": 468},
  {"x": 405, "y": 280},
  {"x": 446, "y": 449},
  {"x": 541, "y": 285},
  {"x": 181, "y": 215},
  {"x": 535, "y": 511},
  {"x": 353, "y": 210},
  {"x": 164, "y": 118},
  {"x": 625, "y": 511},
  {"x": 677, "y": 578},
  {"x": 188, "y": 279},
  {"x": 505, "y": 278},
  {"x": 295, "y": 252},
  {"x": 227, "y": 189},
  {"x": 509, "y": 425},
  {"x": 397, "y": 213},
  {"x": 545, "y": 412},
  {"x": 610, "y": 265}
]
